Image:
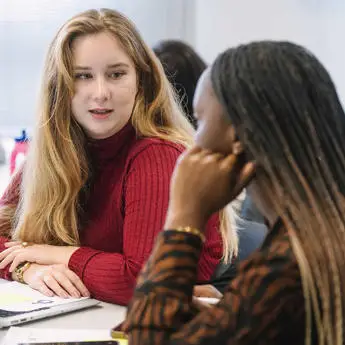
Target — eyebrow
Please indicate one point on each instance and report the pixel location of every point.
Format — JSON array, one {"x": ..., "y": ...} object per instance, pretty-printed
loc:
[{"x": 86, "y": 68}]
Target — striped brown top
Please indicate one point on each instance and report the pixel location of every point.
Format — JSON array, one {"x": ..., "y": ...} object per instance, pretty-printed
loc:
[{"x": 264, "y": 304}]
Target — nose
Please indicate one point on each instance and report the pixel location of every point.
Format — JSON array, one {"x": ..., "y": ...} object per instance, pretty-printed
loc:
[{"x": 101, "y": 90}]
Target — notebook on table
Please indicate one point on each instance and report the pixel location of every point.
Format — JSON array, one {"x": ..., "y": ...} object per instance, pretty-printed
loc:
[
  {"x": 208, "y": 300},
  {"x": 19, "y": 304}
]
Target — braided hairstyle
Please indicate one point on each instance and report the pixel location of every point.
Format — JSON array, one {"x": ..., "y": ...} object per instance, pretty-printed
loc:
[{"x": 286, "y": 112}]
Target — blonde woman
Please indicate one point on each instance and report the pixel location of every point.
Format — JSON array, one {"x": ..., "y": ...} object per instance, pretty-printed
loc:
[{"x": 93, "y": 193}]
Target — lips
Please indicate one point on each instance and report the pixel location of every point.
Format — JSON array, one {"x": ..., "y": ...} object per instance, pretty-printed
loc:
[{"x": 100, "y": 111}]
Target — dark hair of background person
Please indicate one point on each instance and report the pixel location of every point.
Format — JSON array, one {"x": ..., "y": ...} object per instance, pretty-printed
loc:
[
  {"x": 183, "y": 67},
  {"x": 287, "y": 115}
]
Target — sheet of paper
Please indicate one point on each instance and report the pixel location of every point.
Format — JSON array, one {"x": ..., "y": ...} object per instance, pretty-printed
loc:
[
  {"x": 16, "y": 335},
  {"x": 208, "y": 300},
  {"x": 19, "y": 297}
]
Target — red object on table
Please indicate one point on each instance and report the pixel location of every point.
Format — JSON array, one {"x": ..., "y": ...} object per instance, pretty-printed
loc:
[{"x": 21, "y": 147}]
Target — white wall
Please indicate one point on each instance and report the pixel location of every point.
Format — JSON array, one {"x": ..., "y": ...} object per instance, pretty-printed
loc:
[
  {"x": 317, "y": 24},
  {"x": 28, "y": 26}
]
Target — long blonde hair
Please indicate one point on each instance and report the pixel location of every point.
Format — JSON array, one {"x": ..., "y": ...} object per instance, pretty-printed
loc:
[{"x": 57, "y": 167}]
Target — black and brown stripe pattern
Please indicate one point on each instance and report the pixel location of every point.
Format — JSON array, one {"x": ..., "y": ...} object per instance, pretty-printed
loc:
[{"x": 264, "y": 304}]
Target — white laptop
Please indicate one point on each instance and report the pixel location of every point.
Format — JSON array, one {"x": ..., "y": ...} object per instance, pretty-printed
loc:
[{"x": 19, "y": 304}]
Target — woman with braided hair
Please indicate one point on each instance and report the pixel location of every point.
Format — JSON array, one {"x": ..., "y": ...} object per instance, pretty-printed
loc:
[{"x": 270, "y": 120}]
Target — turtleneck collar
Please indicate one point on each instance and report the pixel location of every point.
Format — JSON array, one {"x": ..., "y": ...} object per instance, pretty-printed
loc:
[{"x": 107, "y": 149}]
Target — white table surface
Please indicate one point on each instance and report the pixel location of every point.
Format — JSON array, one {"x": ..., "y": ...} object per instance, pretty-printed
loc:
[{"x": 103, "y": 316}]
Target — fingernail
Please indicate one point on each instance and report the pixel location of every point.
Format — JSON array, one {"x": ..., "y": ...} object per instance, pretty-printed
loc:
[
  {"x": 237, "y": 148},
  {"x": 76, "y": 295}
]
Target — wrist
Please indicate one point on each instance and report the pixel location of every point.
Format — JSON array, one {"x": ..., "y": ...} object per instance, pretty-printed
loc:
[
  {"x": 176, "y": 220},
  {"x": 65, "y": 256},
  {"x": 189, "y": 230},
  {"x": 30, "y": 270},
  {"x": 14, "y": 276},
  {"x": 20, "y": 270}
]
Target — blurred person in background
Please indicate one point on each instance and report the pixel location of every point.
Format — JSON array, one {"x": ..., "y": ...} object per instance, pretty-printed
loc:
[{"x": 183, "y": 66}]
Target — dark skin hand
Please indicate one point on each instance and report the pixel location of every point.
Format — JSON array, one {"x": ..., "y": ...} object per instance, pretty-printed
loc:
[{"x": 213, "y": 180}]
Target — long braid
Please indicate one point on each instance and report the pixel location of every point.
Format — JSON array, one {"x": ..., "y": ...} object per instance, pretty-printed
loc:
[{"x": 286, "y": 112}]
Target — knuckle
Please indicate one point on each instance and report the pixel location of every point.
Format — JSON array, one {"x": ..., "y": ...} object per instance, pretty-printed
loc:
[
  {"x": 74, "y": 278},
  {"x": 58, "y": 275},
  {"x": 48, "y": 278},
  {"x": 44, "y": 291},
  {"x": 20, "y": 256},
  {"x": 60, "y": 267},
  {"x": 194, "y": 161},
  {"x": 210, "y": 159},
  {"x": 41, "y": 287},
  {"x": 49, "y": 270}
]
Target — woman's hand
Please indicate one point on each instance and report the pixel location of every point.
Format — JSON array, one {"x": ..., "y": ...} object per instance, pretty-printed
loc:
[
  {"x": 203, "y": 183},
  {"x": 55, "y": 280},
  {"x": 42, "y": 254}
]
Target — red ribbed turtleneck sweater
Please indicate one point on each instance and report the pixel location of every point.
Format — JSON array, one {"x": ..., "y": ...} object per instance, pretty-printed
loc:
[{"x": 125, "y": 211}]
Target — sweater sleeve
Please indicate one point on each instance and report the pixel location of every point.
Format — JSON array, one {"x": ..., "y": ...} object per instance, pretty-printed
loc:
[
  {"x": 265, "y": 295},
  {"x": 112, "y": 276},
  {"x": 211, "y": 252},
  {"x": 10, "y": 198}
]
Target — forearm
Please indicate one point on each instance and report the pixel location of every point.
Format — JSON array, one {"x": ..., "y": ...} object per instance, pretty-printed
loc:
[
  {"x": 212, "y": 250},
  {"x": 109, "y": 277},
  {"x": 253, "y": 306},
  {"x": 63, "y": 255},
  {"x": 176, "y": 253},
  {"x": 175, "y": 256}
]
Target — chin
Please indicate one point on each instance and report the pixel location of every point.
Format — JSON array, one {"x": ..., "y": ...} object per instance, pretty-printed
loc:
[{"x": 98, "y": 134}]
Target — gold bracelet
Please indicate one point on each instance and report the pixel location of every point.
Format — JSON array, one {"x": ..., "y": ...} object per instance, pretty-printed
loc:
[
  {"x": 20, "y": 270},
  {"x": 193, "y": 231}
]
